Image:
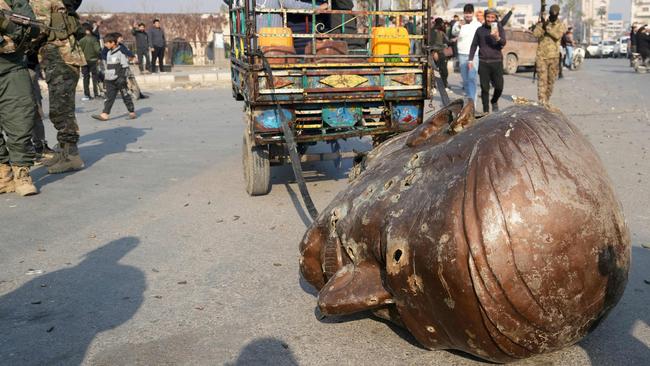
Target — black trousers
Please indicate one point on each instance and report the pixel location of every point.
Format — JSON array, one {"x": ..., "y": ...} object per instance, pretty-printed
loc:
[
  {"x": 442, "y": 67},
  {"x": 158, "y": 53},
  {"x": 490, "y": 73},
  {"x": 112, "y": 88},
  {"x": 144, "y": 60},
  {"x": 90, "y": 71}
]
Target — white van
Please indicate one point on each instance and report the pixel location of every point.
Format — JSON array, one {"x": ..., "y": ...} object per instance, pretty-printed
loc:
[{"x": 620, "y": 48}]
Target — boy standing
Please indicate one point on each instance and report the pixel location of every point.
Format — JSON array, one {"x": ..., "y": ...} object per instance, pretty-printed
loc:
[
  {"x": 117, "y": 65},
  {"x": 91, "y": 49}
]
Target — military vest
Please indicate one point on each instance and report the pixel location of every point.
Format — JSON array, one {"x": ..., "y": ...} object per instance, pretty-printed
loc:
[
  {"x": 8, "y": 45},
  {"x": 64, "y": 25}
]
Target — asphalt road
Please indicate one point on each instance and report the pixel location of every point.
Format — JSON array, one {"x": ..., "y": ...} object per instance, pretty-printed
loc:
[{"x": 154, "y": 254}]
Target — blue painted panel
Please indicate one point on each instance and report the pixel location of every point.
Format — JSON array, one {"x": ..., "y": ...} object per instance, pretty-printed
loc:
[
  {"x": 406, "y": 115},
  {"x": 267, "y": 119},
  {"x": 344, "y": 116}
]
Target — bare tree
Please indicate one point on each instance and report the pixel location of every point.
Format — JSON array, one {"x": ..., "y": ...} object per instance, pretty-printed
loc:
[{"x": 92, "y": 6}]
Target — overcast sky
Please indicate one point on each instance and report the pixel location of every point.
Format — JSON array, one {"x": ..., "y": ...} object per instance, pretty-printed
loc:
[{"x": 200, "y": 6}]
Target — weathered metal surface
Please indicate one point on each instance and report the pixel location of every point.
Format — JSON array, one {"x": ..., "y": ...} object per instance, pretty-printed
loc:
[{"x": 502, "y": 238}]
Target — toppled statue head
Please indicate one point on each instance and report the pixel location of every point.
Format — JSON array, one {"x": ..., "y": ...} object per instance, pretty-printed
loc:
[{"x": 501, "y": 238}]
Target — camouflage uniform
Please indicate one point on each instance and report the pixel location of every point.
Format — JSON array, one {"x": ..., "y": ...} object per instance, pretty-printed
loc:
[
  {"x": 17, "y": 112},
  {"x": 61, "y": 59},
  {"x": 548, "y": 58},
  {"x": 17, "y": 106}
]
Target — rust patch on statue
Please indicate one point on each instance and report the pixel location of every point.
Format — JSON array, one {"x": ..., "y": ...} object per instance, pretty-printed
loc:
[{"x": 506, "y": 234}]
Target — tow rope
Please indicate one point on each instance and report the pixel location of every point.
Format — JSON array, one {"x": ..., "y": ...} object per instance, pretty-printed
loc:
[{"x": 289, "y": 139}]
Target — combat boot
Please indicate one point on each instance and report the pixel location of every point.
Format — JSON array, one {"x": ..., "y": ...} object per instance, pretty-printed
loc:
[
  {"x": 66, "y": 160},
  {"x": 6, "y": 179},
  {"x": 23, "y": 181}
]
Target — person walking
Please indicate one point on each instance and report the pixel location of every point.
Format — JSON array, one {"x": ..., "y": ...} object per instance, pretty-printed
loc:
[
  {"x": 157, "y": 42},
  {"x": 91, "y": 49},
  {"x": 489, "y": 39},
  {"x": 439, "y": 42},
  {"x": 549, "y": 34},
  {"x": 465, "y": 34},
  {"x": 568, "y": 43},
  {"x": 62, "y": 59},
  {"x": 643, "y": 44},
  {"x": 142, "y": 47},
  {"x": 117, "y": 66},
  {"x": 17, "y": 105}
]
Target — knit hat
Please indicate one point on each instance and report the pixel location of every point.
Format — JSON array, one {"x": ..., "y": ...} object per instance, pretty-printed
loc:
[{"x": 491, "y": 11}]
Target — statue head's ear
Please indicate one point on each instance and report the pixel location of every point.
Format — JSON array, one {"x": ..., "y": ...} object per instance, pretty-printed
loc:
[
  {"x": 465, "y": 117},
  {"x": 352, "y": 289},
  {"x": 437, "y": 123}
]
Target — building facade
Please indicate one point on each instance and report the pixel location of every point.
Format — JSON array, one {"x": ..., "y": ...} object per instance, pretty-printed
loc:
[
  {"x": 593, "y": 26},
  {"x": 615, "y": 26},
  {"x": 640, "y": 11}
]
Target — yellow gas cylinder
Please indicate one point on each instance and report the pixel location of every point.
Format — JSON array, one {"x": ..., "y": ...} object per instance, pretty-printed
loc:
[
  {"x": 275, "y": 36},
  {"x": 390, "y": 41}
]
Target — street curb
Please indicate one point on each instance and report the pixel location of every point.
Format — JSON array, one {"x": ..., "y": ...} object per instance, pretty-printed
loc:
[{"x": 168, "y": 80}]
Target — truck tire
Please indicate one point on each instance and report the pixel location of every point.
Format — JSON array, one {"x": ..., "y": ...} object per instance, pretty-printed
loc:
[
  {"x": 512, "y": 64},
  {"x": 257, "y": 168}
]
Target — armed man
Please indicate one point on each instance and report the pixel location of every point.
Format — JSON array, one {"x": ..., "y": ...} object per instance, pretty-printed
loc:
[
  {"x": 17, "y": 106},
  {"x": 549, "y": 34},
  {"x": 62, "y": 59}
]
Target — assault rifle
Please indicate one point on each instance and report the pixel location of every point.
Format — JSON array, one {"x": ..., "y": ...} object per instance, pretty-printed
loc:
[
  {"x": 26, "y": 21},
  {"x": 542, "y": 19}
]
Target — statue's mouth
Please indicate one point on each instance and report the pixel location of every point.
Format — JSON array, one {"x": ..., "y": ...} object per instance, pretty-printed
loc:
[{"x": 333, "y": 258}]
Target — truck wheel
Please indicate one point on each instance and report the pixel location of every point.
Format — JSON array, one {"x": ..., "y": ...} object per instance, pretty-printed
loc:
[
  {"x": 257, "y": 168},
  {"x": 235, "y": 94},
  {"x": 511, "y": 64}
]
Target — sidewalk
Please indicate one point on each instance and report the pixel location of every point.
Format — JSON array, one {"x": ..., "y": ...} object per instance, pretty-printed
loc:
[{"x": 179, "y": 77}]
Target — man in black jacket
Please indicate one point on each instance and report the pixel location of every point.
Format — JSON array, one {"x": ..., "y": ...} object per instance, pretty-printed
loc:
[
  {"x": 491, "y": 38},
  {"x": 643, "y": 43},
  {"x": 142, "y": 47},
  {"x": 157, "y": 45}
]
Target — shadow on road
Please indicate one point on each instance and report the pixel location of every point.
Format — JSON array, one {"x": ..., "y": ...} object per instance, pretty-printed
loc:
[
  {"x": 265, "y": 351},
  {"x": 614, "y": 341},
  {"x": 52, "y": 319},
  {"x": 94, "y": 147},
  {"x": 297, "y": 203}
]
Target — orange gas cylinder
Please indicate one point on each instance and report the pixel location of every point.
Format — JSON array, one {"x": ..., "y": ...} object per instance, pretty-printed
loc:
[
  {"x": 390, "y": 41},
  {"x": 275, "y": 36}
]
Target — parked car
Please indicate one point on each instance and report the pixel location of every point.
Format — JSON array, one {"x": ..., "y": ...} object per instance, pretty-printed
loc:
[
  {"x": 593, "y": 50},
  {"x": 520, "y": 50},
  {"x": 620, "y": 48},
  {"x": 606, "y": 48}
]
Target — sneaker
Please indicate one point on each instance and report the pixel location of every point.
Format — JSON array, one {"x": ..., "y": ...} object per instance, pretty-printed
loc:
[
  {"x": 495, "y": 107},
  {"x": 85, "y": 99}
]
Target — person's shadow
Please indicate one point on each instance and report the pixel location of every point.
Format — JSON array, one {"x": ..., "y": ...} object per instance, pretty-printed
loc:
[
  {"x": 52, "y": 319},
  {"x": 265, "y": 351},
  {"x": 619, "y": 339},
  {"x": 95, "y": 146}
]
